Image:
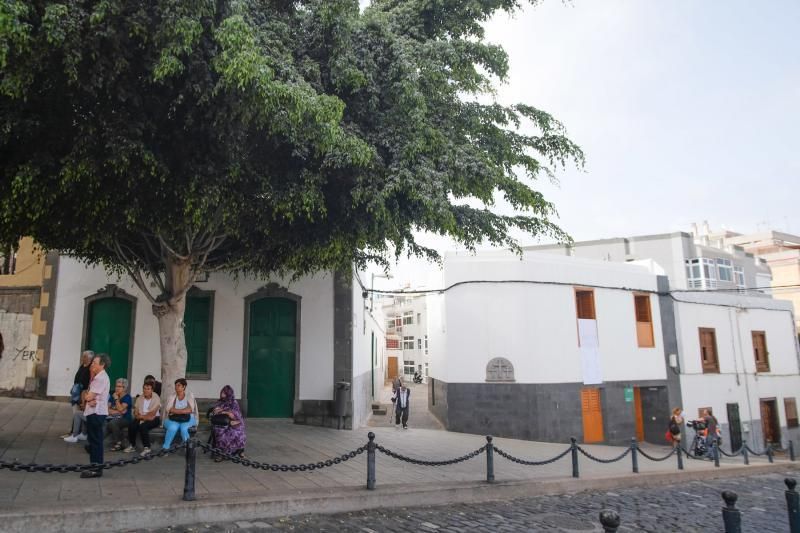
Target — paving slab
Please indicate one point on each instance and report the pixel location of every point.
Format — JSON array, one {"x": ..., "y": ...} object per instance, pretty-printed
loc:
[{"x": 31, "y": 428}]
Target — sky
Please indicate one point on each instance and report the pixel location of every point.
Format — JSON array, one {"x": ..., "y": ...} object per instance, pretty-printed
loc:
[{"x": 687, "y": 111}]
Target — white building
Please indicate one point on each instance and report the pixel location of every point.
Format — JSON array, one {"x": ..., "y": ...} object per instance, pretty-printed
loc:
[
  {"x": 407, "y": 334},
  {"x": 739, "y": 355},
  {"x": 691, "y": 261},
  {"x": 283, "y": 346},
  {"x": 547, "y": 347}
]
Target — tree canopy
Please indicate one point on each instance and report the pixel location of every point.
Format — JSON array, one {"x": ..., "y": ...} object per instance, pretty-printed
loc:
[{"x": 261, "y": 135}]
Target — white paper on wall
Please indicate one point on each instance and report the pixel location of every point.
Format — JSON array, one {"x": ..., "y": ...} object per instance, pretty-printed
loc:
[{"x": 590, "y": 352}]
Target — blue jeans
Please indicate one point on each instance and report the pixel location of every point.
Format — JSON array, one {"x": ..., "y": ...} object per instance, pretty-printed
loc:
[{"x": 172, "y": 428}]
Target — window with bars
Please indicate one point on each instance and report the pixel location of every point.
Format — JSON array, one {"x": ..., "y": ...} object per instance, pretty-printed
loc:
[
  {"x": 644, "y": 321},
  {"x": 790, "y": 405},
  {"x": 408, "y": 318},
  {"x": 408, "y": 368},
  {"x": 393, "y": 344},
  {"x": 408, "y": 343},
  {"x": 760, "y": 351},
  {"x": 708, "y": 350},
  {"x": 701, "y": 273}
]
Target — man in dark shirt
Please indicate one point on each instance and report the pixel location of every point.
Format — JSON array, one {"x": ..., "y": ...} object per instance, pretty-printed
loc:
[{"x": 711, "y": 430}]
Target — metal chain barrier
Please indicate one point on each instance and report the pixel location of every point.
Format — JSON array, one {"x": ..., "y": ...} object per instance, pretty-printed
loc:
[
  {"x": 648, "y": 456},
  {"x": 606, "y": 461},
  {"x": 283, "y": 468},
  {"x": 517, "y": 460},
  {"x": 47, "y": 468},
  {"x": 751, "y": 452},
  {"x": 734, "y": 454},
  {"x": 422, "y": 462}
]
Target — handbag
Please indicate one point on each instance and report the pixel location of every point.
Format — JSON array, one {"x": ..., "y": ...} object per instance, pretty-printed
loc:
[
  {"x": 220, "y": 420},
  {"x": 180, "y": 417},
  {"x": 668, "y": 436}
]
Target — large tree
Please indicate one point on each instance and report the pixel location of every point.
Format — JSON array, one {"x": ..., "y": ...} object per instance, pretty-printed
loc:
[{"x": 168, "y": 138}]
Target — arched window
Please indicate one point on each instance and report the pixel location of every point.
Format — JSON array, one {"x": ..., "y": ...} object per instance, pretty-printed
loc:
[{"x": 500, "y": 369}]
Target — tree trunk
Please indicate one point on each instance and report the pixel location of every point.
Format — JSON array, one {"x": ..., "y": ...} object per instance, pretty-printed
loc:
[{"x": 170, "y": 326}]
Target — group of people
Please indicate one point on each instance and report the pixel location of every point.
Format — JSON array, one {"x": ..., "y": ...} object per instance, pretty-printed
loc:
[
  {"x": 710, "y": 433},
  {"x": 97, "y": 410}
]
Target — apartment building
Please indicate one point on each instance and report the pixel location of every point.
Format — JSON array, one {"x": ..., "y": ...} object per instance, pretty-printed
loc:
[{"x": 407, "y": 348}]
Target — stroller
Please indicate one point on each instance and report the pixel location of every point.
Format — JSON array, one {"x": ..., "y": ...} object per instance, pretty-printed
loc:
[{"x": 698, "y": 447}]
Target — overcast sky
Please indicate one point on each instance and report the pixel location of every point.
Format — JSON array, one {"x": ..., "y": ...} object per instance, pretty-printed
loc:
[{"x": 687, "y": 110}]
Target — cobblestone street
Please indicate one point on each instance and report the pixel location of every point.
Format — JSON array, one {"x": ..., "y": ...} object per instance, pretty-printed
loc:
[{"x": 694, "y": 506}]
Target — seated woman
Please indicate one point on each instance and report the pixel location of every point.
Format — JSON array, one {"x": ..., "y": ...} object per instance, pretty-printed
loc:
[
  {"x": 120, "y": 412},
  {"x": 78, "y": 421},
  {"x": 146, "y": 416},
  {"x": 181, "y": 412},
  {"x": 231, "y": 438}
]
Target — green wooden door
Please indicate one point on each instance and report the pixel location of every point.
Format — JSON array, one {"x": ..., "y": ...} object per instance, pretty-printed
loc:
[
  {"x": 110, "y": 332},
  {"x": 196, "y": 321},
  {"x": 271, "y": 358}
]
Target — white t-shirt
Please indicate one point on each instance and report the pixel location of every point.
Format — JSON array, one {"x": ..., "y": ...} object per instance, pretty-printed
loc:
[{"x": 146, "y": 405}]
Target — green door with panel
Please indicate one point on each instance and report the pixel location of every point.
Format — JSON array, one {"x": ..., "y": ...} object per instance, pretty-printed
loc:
[
  {"x": 271, "y": 353},
  {"x": 109, "y": 331}
]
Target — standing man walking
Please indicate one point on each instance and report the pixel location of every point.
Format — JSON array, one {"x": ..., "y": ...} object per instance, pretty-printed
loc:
[
  {"x": 401, "y": 400},
  {"x": 96, "y": 412}
]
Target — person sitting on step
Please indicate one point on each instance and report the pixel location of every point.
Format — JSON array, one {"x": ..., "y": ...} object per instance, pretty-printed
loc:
[
  {"x": 120, "y": 412},
  {"x": 181, "y": 411},
  {"x": 146, "y": 416}
]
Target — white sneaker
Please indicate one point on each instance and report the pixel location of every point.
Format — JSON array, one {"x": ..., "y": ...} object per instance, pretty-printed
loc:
[
  {"x": 72, "y": 438},
  {"x": 129, "y": 449},
  {"x": 145, "y": 451},
  {"x": 82, "y": 436}
]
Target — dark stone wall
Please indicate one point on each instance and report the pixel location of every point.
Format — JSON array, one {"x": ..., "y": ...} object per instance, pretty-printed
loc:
[
  {"x": 541, "y": 411},
  {"x": 19, "y": 300},
  {"x": 437, "y": 399}
]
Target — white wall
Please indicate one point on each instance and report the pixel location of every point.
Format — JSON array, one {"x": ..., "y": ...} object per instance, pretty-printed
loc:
[
  {"x": 77, "y": 281},
  {"x": 737, "y": 381},
  {"x": 535, "y": 325}
]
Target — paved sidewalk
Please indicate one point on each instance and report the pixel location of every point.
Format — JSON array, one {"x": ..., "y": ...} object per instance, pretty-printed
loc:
[
  {"x": 30, "y": 429},
  {"x": 418, "y": 415}
]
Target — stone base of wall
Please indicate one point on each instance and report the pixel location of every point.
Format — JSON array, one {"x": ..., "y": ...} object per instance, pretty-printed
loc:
[
  {"x": 318, "y": 413},
  {"x": 544, "y": 412}
]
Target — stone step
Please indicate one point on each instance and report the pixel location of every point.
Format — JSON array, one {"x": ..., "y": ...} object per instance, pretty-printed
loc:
[
  {"x": 376, "y": 405},
  {"x": 379, "y": 411}
]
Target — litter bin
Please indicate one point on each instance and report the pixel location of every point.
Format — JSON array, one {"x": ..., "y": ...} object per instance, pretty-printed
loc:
[{"x": 340, "y": 398}]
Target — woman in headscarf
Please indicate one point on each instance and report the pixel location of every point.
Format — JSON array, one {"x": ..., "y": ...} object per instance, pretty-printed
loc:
[{"x": 231, "y": 438}]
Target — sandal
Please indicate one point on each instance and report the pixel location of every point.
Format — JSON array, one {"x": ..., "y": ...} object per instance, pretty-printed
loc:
[
  {"x": 117, "y": 447},
  {"x": 218, "y": 459}
]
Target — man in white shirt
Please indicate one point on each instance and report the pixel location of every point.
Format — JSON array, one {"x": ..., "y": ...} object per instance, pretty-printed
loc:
[{"x": 96, "y": 411}]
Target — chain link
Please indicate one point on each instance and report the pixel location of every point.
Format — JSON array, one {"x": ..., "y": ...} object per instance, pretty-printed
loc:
[
  {"x": 48, "y": 468},
  {"x": 751, "y": 452},
  {"x": 606, "y": 461},
  {"x": 726, "y": 454},
  {"x": 652, "y": 458},
  {"x": 283, "y": 468},
  {"x": 399, "y": 457},
  {"x": 517, "y": 460}
]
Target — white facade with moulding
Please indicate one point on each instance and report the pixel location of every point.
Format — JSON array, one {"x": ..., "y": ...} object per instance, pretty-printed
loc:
[{"x": 319, "y": 323}]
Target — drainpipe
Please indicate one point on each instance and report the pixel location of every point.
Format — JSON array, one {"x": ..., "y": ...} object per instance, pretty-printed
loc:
[{"x": 739, "y": 310}]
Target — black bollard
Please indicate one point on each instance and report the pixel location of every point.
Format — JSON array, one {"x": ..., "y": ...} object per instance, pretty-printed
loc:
[
  {"x": 769, "y": 453},
  {"x": 489, "y": 459},
  {"x": 791, "y": 451},
  {"x": 680, "y": 457},
  {"x": 715, "y": 452},
  {"x": 191, "y": 462},
  {"x": 745, "y": 454},
  {"x": 574, "y": 450},
  {"x": 793, "y": 505},
  {"x": 731, "y": 516},
  {"x": 371, "y": 461},
  {"x": 634, "y": 456},
  {"x": 609, "y": 520}
]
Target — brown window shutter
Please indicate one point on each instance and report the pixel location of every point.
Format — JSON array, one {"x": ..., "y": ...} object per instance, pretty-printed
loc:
[{"x": 708, "y": 350}]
